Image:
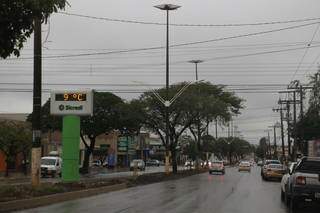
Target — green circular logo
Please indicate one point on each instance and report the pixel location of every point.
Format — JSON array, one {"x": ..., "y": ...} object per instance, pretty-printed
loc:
[{"x": 61, "y": 107}]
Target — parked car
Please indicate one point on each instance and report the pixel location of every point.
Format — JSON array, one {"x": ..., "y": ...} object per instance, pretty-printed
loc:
[
  {"x": 138, "y": 163},
  {"x": 285, "y": 179},
  {"x": 217, "y": 166},
  {"x": 303, "y": 183},
  {"x": 152, "y": 162},
  {"x": 96, "y": 163},
  {"x": 51, "y": 166},
  {"x": 265, "y": 164},
  {"x": 244, "y": 166},
  {"x": 189, "y": 164},
  {"x": 260, "y": 163},
  {"x": 274, "y": 171}
]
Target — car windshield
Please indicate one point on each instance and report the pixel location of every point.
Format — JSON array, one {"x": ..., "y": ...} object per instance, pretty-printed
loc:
[
  {"x": 48, "y": 162},
  {"x": 217, "y": 162},
  {"x": 309, "y": 166},
  {"x": 275, "y": 166},
  {"x": 273, "y": 162}
]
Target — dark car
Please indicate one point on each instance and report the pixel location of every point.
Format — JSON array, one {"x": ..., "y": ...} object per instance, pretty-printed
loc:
[{"x": 303, "y": 183}]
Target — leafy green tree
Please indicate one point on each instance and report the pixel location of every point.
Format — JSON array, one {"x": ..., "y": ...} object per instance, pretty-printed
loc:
[
  {"x": 187, "y": 111},
  {"x": 15, "y": 138},
  {"x": 308, "y": 128},
  {"x": 211, "y": 103},
  {"x": 16, "y": 21},
  {"x": 262, "y": 149},
  {"x": 191, "y": 150},
  {"x": 181, "y": 116},
  {"x": 232, "y": 148},
  {"x": 105, "y": 118}
]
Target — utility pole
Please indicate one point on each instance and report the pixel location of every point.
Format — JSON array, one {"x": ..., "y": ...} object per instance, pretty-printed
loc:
[
  {"x": 268, "y": 145},
  {"x": 275, "y": 153},
  {"x": 36, "y": 114},
  {"x": 288, "y": 129},
  {"x": 282, "y": 129},
  {"x": 294, "y": 149},
  {"x": 304, "y": 144}
]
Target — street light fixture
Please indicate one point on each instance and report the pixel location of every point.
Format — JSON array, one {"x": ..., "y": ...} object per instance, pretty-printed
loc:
[
  {"x": 167, "y": 7},
  {"x": 196, "y": 62}
]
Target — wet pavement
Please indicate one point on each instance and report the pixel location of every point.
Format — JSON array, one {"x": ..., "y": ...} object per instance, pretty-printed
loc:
[{"x": 231, "y": 193}]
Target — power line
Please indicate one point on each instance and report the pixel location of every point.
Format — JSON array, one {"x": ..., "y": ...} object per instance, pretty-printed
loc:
[
  {"x": 305, "y": 52},
  {"x": 189, "y": 25},
  {"x": 258, "y": 53},
  {"x": 172, "y": 46}
]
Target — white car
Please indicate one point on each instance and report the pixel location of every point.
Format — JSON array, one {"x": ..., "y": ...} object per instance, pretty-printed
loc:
[
  {"x": 285, "y": 180},
  {"x": 137, "y": 163},
  {"x": 51, "y": 166}
]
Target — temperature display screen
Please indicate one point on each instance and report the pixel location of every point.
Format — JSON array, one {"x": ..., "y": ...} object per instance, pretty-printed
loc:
[{"x": 71, "y": 97}]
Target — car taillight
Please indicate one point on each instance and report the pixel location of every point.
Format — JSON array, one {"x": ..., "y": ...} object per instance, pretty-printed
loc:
[{"x": 300, "y": 180}]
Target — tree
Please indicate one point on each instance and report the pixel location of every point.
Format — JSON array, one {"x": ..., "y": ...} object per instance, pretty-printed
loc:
[
  {"x": 211, "y": 103},
  {"x": 16, "y": 21},
  {"x": 15, "y": 138},
  {"x": 181, "y": 116},
  {"x": 262, "y": 149},
  {"x": 187, "y": 111},
  {"x": 308, "y": 128},
  {"x": 232, "y": 148}
]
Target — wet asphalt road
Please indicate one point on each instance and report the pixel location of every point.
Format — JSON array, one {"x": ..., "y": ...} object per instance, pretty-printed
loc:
[{"x": 231, "y": 193}]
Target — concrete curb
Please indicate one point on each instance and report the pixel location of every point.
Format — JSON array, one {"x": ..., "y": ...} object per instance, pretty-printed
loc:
[{"x": 55, "y": 198}]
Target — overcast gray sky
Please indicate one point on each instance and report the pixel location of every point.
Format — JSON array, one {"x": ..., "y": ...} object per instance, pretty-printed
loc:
[{"x": 68, "y": 35}]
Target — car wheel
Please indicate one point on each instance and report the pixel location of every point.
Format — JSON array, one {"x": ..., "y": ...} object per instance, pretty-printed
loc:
[
  {"x": 282, "y": 196},
  {"x": 294, "y": 204},
  {"x": 286, "y": 199},
  {"x": 210, "y": 172}
]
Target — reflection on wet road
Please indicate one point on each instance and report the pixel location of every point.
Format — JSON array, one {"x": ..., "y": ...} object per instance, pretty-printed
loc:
[{"x": 231, "y": 193}]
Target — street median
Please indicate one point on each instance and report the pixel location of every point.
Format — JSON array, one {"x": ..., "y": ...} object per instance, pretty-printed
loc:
[{"x": 17, "y": 197}]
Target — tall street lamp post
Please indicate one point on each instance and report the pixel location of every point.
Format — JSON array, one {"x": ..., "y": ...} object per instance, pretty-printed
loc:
[
  {"x": 167, "y": 8},
  {"x": 196, "y": 62}
]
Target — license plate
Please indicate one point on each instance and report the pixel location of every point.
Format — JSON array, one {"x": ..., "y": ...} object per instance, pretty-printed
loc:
[{"x": 317, "y": 195}]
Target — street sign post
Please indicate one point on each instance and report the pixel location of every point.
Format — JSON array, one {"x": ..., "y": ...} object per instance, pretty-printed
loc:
[{"x": 71, "y": 105}]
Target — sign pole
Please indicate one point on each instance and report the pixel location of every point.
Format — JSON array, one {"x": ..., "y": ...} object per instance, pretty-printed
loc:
[{"x": 70, "y": 148}]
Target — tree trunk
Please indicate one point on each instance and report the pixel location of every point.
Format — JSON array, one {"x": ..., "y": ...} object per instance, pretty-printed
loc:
[
  {"x": 25, "y": 163},
  {"x": 7, "y": 168},
  {"x": 88, "y": 152},
  {"x": 174, "y": 160},
  {"x": 198, "y": 164}
]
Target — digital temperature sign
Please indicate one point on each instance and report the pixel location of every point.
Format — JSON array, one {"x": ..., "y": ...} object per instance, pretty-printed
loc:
[
  {"x": 71, "y": 97},
  {"x": 78, "y": 102}
]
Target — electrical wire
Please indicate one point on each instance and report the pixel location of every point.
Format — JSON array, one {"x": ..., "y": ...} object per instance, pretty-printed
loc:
[
  {"x": 305, "y": 52},
  {"x": 189, "y": 25},
  {"x": 172, "y": 46}
]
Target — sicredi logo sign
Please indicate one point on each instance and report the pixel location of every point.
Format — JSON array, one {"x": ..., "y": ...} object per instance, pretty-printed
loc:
[
  {"x": 68, "y": 107},
  {"x": 78, "y": 102}
]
